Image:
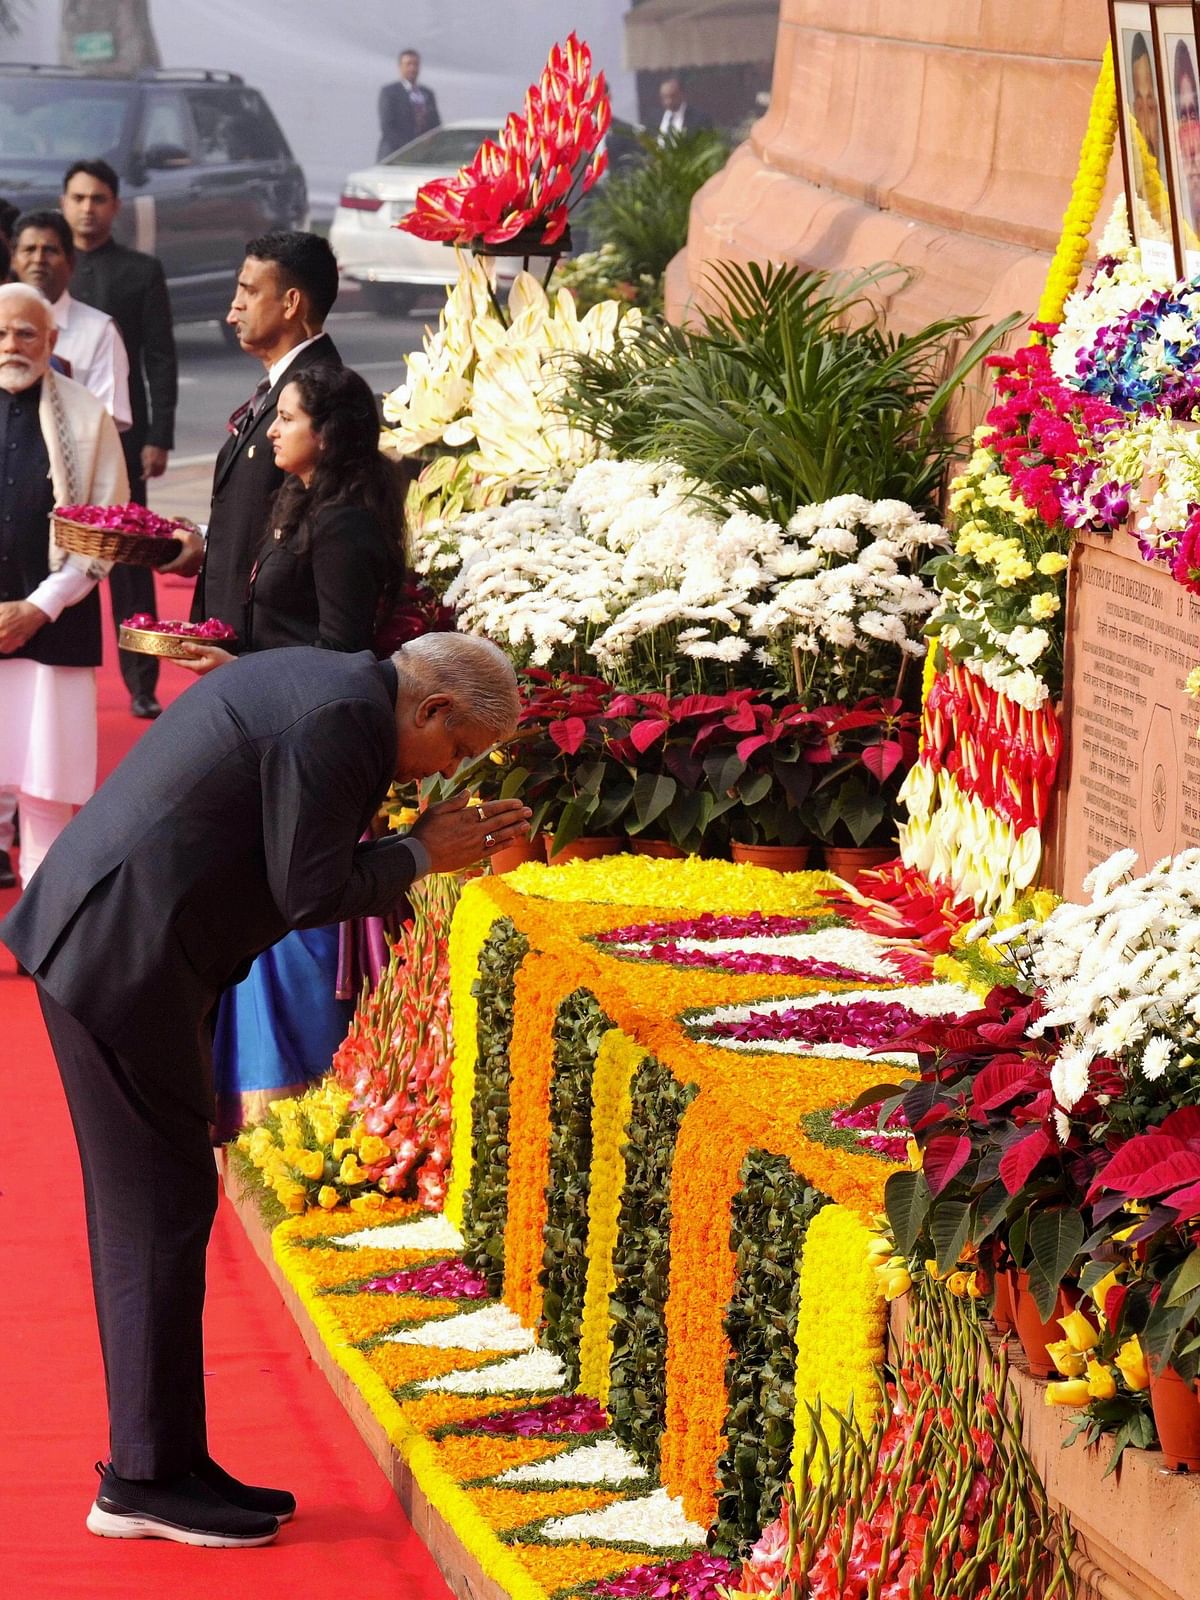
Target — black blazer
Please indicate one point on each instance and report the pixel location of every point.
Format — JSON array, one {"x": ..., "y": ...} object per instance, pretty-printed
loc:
[
  {"x": 396, "y": 122},
  {"x": 130, "y": 287},
  {"x": 244, "y": 480},
  {"x": 327, "y": 594},
  {"x": 235, "y": 818}
]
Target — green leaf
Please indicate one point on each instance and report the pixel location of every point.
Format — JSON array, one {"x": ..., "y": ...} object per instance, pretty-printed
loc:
[
  {"x": 949, "y": 1228},
  {"x": 574, "y": 819},
  {"x": 873, "y": 1096},
  {"x": 1054, "y": 1239},
  {"x": 1188, "y": 1279},
  {"x": 652, "y": 794},
  {"x": 906, "y": 1201},
  {"x": 513, "y": 783}
]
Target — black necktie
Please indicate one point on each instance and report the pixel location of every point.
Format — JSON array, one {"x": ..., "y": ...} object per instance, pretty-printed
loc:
[{"x": 249, "y": 409}]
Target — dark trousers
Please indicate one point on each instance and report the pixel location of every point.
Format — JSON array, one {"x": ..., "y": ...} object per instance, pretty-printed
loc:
[
  {"x": 150, "y": 1192},
  {"x": 131, "y": 590}
]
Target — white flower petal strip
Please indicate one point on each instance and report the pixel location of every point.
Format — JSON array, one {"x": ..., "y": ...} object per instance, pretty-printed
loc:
[
  {"x": 535, "y": 1372},
  {"x": 603, "y": 1462},
  {"x": 656, "y": 1520},
  {"x": 848, "y": 947},
  {"x": 489, "y": 1328},
  {"x": 423, "y": 1233},
  {"x": 931, "y": 1000}
]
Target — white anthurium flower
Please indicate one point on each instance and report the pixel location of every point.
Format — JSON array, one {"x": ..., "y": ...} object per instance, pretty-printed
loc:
[{"x": 1025, "y": 858}]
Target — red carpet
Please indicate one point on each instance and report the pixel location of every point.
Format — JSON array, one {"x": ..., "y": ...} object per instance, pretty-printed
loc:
[{"x": 272, "y": 1416}]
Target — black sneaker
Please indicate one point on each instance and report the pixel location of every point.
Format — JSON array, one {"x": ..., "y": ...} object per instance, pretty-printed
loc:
[
  {"x": 184, "y": 1510},
  {"x": 145, "y": 706},
  {"x": 276, "y": 1503}
]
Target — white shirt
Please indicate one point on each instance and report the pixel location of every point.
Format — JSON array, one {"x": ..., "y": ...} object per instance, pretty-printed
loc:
[
  {"x": 277, "y": 370},
  {"x": 672, "y": 122},
  {"x": 92, "y": 343}
]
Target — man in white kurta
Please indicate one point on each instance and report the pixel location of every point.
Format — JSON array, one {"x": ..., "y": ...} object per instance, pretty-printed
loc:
[{"x": 58, "y": 446}]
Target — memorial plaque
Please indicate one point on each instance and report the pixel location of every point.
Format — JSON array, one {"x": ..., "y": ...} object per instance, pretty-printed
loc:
[{"x": 1132, "y": 758}]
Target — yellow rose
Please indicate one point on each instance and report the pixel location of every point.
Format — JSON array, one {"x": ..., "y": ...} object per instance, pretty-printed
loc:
[
  {"x": 292, "y": 1196},
  {"x": 957, "y": 1283},
  {"x": 1130, "y": 1361},
  {"x": 327, "y": 1197},
  {"x": 931, "y": 1267},
  {"x": 311, "y": 1163},
  {"x": 373, "y": 1149},
  {"x": 340, "y": 1146},
  {"x": 364, "y": 1204},
  {"x": 1100, "y": 1381},
  {"x": 350, "y": 1172},
  {"x": 1052, "y": 563},
  {"x": 893, "y": 1282},
  {"x": 1099, "y": 1291},
  {"x": 1069, "y": 1363},
  {"x": 1071, "y": 1392},
  {"x": 976, "y": 1288},
  {"x": 1078, "y": 1331},
  {"x": 1044, "y": 605}
]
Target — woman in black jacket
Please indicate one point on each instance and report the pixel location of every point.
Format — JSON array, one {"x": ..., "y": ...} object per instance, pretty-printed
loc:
[
  {"x": 333, "y": 546},
  {"x": 331, "y": 556}
]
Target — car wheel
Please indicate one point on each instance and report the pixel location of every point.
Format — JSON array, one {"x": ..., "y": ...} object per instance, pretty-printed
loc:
[{"x": 390, "y": 299}]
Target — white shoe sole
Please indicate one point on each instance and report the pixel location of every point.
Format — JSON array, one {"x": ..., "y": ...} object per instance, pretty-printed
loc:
[{"x": 110, "y": 1525}]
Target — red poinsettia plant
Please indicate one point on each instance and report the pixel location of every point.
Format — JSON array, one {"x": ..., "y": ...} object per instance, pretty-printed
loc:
[
  {"x": 524, "y": 182},
  {"x": 869, "y": 749}
]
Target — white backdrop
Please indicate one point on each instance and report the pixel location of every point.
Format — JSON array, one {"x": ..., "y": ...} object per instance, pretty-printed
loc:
[{"x": 321, "y": 63}]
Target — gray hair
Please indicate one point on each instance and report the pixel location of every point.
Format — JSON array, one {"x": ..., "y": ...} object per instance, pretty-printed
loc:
[
  {"x": 473, "y": 672},
  {"x": 26, "y": 291}
]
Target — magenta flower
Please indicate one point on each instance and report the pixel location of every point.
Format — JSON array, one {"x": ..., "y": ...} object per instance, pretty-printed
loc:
[
  {"x": 698, "y": 1577},
  {"x": 573, "y": 1413},
  {"x": 755, "y": 924},
  {"x": 213, "y": 629},
  {"x": 864, "y": 1024},
  {"x": 120, "y": 519},
  {"x": 439, "y": 1280},
  {"x": 890, "y": 1140}
]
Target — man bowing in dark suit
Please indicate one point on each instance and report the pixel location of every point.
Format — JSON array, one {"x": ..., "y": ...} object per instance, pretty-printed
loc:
[
  {"x": 286, "y": 288},
  {"x": 235, "y": 818}
]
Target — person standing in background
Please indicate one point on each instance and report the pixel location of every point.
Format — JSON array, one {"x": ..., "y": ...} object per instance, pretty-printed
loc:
[
  {"x": 132, "y": 289},
  {"x": 678, "y": 116},
  {"x": 406, "y": 108},
  {"x": 90, "y": 342}
]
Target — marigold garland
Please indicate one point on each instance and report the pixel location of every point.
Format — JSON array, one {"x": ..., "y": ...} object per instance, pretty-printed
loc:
[
  {"x": 473, "y": 919},
  {"x": 693, "y": 884},
  {"x": 1086, "y": 192},
  {"x": 842, "y": 1322},
  {"x": 616, "y": 1061}
]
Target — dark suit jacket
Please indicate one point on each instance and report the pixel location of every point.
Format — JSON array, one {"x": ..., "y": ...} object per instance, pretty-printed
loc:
[
  {"x": 235, "y": 818},
  {"x": 131, "y": 288},
  {"x": 244, "y": 480},
  {"x": 326, "y": 594},
  {"x": 396, "y": 122}
]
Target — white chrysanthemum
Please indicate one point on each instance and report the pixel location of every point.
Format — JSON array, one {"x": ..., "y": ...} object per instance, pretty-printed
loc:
[
  {"x": 655, "y": 1521},
  {"x": 605, "y": 1461},
  {"x": 1156, "y": 1057},
  {"x": 492, "y": 1327}
]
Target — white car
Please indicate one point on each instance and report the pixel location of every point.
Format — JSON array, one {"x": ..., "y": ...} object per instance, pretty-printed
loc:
[{"x": 394, "y": 266}]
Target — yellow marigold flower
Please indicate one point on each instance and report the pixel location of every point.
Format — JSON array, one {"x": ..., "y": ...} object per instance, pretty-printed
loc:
[
  {"x": 1130, "y": 1362},
  {"x": 1070, "y": 1363},
  {"x": 1070, "y": 1392},
  {"x": 1100, "y": 1381},
  {"x": 1078, "y": 1331},
  {"x": 311, "y": 1163},
  {"x": 1044, "y": 605},
  {"x": 350, "y": 1172},
  {"x": 1052, "y": 563},
  {"x": 957, "y": 1284},
  {"x": 373, "y": 1149},
  {"x": 327, "y": 1197}
]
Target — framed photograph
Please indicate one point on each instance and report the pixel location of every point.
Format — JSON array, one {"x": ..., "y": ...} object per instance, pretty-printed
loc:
[
  {"x": 1143, "y": 132},
  {"x": 1179, "y": 74}
]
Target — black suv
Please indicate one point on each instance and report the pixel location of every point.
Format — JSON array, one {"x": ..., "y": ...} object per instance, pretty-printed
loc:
[{"x": 203, "y": 164}]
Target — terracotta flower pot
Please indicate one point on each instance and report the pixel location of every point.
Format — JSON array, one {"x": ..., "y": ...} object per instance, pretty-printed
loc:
[
  {"x": 1035, "y": 1334},
  {"x": 1003, "y": 1310},
  {"x": 780, "y": 857},
  {"x": 516, "y": 855},
  {"x": 1176, "y": 1408},
  {"x": 586, "y": 849},
  {"x": 848, "y": 861},
  {"x": 662, "y": 848}
]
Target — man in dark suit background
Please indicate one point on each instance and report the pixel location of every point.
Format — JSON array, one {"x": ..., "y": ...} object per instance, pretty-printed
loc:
[
  {"x": 131, "y": 288},
  {"x": 678, "y": 116},
  {"x": 236, "y": 818},
  {"x": 286, "y": 288},
  {"x": 406, "y": 108}
]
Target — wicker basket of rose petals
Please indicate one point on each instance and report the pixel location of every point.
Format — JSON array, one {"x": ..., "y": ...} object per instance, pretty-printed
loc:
[
  {"x": 150, "y": 636},
  {"x": 131, "y": 535}
]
